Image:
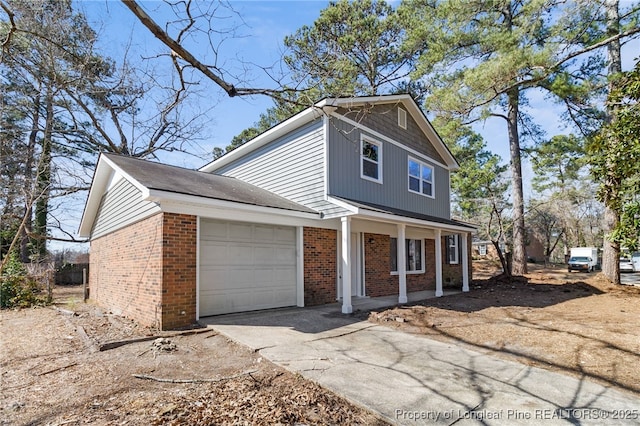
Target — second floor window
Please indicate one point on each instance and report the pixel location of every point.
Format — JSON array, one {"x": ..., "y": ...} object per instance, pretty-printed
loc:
[
  {"x": 420, "y": 178},
  {"x": 371, "y": 160}
]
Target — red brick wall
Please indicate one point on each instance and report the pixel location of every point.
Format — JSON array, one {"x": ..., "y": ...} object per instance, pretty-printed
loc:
[
  {"x": 452, "y": 274},
  {"x": 125, "y": 272},
  {"x": 320, "y": 266},
  {"x": 179, "y": 270},
  {"x": 147, "y": 271},
  {"x": 378, "y": 278}
]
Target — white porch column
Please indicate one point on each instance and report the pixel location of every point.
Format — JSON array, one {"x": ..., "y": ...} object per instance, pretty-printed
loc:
[
  {"x": 346, "y": 265},
  {"x": 465, "y": 262},
  {"x": 402, "y": 264},
  {"x": 438, "y": 236}
]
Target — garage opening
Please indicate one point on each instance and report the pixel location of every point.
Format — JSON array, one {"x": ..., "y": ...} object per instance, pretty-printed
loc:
[{"x": 246, "y": 267}]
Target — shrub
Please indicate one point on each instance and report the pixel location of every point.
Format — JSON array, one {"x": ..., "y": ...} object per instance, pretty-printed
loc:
[{"x": 17, "y": 289}]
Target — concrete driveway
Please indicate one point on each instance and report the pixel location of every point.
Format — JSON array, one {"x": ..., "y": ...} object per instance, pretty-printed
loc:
[{"x": 411, "y": 380}]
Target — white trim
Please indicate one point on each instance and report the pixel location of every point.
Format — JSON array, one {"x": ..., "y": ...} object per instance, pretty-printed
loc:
[
  {"x": 164, "y": 197},
  {"x": 363, "y": 269},
  {"x": 364, "y": 213},
  {"x": 345, "y": 205},
  {"x": 198, "y": 268},
  {"x": 433, "y": 178},
  {"x": 401, "y": 262},
  {"x": 347, "y": 308},
  {"x": 366, "y": 139},
  {"x": 325, "y": 154},
  {"x": 226, "y": 213},
  {"x": 391, "y": 141},
  {"x": 438, "y": 241},
  {"x": 465, "y": 263},
  {"x": 402, "y": 118},
  {"x": 124, "y": 174},
  {"x": 388, "y": 217},
  {"x": 300, "y": 266}
]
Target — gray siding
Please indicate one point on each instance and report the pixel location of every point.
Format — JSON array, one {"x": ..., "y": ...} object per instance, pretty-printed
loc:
[
  {"x": 384, "y": 119},
  {"x": 292, "y": 167},
  {"x": 345, "y": 180},
  {"x": 122, "y": 205}
]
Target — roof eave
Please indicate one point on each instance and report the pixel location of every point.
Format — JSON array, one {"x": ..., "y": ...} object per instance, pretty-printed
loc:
[{"x": 160, "y": 197}]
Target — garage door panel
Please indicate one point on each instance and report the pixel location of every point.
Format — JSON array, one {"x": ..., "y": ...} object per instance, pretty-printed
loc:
[
  {"x": 285, "y": 234},
  {"x": 246, "y": 267}
]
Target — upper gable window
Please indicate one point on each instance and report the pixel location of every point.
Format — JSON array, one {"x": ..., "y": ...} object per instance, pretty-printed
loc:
[
  {"x": 371, "y": 160},
  {"x": 402, "y": 118},
  {"x": 420, "y": 178}
]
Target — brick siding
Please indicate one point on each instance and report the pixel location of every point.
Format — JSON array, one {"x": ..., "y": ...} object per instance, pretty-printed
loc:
[
  {"x": 179, "y": 270},
  {"x": 378, "y": 278},
  {"x": 147, "y": 271},
  {"x": 320, "y": 266},
  {"x": 452, "y": 274}
]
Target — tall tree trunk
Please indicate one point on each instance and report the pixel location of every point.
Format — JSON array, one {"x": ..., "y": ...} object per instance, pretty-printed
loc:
[
  {"x": 610, "y": 249},
  {"x": 43, "y": 179},
  {"x": 25, "y": 241},
  {"x": 519, "y": 243}
]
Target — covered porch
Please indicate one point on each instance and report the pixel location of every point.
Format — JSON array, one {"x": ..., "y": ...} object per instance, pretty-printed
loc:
[{"x": 386, "y": 258}]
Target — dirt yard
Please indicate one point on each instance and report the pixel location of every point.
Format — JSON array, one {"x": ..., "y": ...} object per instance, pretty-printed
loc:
[
  {"x": 577, "y": 323},
  {"x": 53, "y": 372}
]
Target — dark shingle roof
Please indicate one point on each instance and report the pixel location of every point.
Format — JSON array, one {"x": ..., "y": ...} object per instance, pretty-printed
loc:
[
  {"x": 179, "y": 180},
  {"x": 405, "y": 213}
]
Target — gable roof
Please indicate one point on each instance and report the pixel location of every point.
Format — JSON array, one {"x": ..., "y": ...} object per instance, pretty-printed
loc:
[
  {"x": 163, "y": 182},
  {"x": 328, "y": 106}
]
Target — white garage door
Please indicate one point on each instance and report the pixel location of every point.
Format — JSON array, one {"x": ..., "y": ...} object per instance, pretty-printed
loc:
[{"x": 245, "y": 267}]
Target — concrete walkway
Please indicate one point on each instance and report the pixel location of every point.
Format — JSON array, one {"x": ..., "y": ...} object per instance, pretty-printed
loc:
[{"x": 412, "y": 380}]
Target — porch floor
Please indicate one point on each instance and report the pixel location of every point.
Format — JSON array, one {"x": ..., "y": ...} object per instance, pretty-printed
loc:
[{"x": 370, "y": 303}]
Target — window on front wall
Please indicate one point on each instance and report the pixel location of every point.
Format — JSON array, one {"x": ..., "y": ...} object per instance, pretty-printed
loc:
[
  {"x": 415, "y": 255},
  {"x": 371, "y": 160},
  {"x": 482, "y": 249},
  {"x": 453, "y": 257},
  {"x": 420, "y": 178}
]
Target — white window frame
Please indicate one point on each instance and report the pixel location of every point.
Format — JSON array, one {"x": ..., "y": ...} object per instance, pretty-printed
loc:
[
  {"x": 363, "y": 140},
  {"x": 422, "y": 256},
  {"x": 402, "y": 118},
  {"x": 482, "y": 249},
  {"x": 433, "y": 178},
  {"x": 452, "y": 248}
]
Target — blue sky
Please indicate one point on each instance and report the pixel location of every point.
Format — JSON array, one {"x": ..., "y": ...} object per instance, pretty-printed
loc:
[{"x": 261, "y": 28}]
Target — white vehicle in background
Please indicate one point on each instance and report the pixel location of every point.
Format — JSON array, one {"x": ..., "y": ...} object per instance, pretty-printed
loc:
[
  {"x": 635, "y": 259},
  {"x": 626, "y": 265},
  {"x": 583, "y": 259}
]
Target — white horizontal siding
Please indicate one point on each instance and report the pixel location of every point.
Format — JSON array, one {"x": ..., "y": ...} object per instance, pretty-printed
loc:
[
  {"x": 292, "y": 167},
  {"x": 122, "y": 205}
]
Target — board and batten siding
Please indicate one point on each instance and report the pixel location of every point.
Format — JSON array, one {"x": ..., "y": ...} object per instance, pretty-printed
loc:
[
  {"x": 121, "y": 206},
  {"x": 291, "y": 166},
  {"x": 384, "y": 119},
  {"x": 345, "y": 180}
]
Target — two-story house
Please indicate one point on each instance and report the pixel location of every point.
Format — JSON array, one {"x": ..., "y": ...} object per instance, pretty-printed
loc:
[{"x": 347, "y": 199}]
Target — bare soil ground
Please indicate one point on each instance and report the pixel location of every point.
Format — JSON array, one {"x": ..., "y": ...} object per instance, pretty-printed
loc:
[
  {"x": 52, "y": 372},
  {"x": 577, "y": 323}
]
